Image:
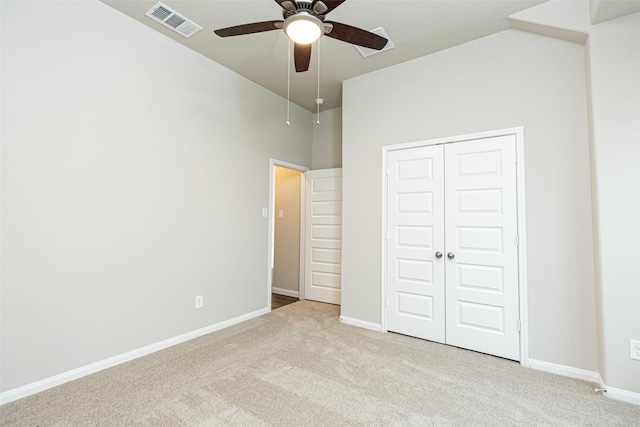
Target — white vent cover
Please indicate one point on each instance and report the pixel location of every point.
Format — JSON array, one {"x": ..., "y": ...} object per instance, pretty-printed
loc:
[
  {"x": 171, "y": 19},
  {"x": 365, "y": 51}
]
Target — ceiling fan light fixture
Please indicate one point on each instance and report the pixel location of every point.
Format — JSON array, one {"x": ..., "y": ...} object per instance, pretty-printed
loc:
[{"x": 303, "y": 28}]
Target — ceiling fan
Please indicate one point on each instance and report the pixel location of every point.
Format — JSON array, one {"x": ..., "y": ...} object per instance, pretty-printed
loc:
[{"x": 304, "y": 22}]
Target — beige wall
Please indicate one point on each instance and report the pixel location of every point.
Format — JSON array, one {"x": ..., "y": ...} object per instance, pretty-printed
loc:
[
  {"x": 133, "y": 176},
  {"x": 286, "y": 251},
  {"x": 505, "y": 80},
  {"x": 327, "y": 140},
  {"x": 614, "y": 59}
]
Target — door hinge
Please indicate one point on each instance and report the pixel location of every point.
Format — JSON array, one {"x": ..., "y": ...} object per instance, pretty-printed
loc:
[
  {"x": 386, "y": 235},
  {"x": 515, "y": 155},
  {"x": 517, "y": 240},
  {"x": 386, "y": 302},
  {"x": 519, "y": 325}
]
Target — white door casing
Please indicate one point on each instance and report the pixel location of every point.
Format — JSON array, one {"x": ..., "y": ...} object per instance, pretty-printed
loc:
[
  {"x": 415, "y": 214},
  {"x": 478, "y": 287},
  {"x": 323, "y": 235}
]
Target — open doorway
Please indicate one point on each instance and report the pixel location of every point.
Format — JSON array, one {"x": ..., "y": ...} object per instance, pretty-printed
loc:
[{"x": 286, "y": 214}]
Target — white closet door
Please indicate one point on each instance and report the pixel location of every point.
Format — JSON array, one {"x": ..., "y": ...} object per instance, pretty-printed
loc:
[
  {"x": 457, "y": 200},
  {"x": 323, "y": 235},
  {"x": 481, "y": 236},
  {"x": 415, "y": 215}
]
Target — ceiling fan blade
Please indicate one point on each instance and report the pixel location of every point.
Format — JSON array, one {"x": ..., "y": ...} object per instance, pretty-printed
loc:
[
  {"x": 331, "y": 4},
  {"x": 357, "y": 36},
  {"x": 255, "y": 27},
  {"x": 302, "y": 56}
]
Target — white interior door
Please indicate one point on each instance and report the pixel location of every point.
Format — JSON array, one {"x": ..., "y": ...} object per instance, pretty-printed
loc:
[
  {"x": 415, "y": 214},
  {"x": 452, "y": 255},
  {"x": 323, "y": 235},
  {"x": 481, "y": 236}
]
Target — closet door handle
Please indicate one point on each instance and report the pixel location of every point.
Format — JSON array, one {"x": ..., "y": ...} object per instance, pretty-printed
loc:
[
  {"x": 438, "y": 254},
  {"x": 451, "y": 255}
]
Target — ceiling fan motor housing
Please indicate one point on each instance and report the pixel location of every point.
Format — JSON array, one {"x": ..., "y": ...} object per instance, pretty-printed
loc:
[{"x": 291, "y": 8}]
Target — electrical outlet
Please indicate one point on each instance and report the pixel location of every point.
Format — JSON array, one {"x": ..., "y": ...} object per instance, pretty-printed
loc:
[
  {"x": 634, "y": 349},
  {"x": 199, "y": 301}
]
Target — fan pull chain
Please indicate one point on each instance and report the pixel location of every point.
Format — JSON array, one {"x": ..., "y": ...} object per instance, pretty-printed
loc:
[
  {"x": 319, "y": 100},
  {"x": 289, "y": 84}
]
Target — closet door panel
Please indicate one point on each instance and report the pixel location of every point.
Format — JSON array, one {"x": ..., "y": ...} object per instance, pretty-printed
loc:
[
  {"x": 415, "y": 232},
  {"x": 481, "y": 237}
]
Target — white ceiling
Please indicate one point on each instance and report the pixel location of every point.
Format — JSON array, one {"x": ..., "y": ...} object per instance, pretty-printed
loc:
[{"x": 417, "y": 28}]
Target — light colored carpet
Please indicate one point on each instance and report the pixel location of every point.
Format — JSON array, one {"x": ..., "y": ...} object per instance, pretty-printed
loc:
[{"x": 299, "y": 366}]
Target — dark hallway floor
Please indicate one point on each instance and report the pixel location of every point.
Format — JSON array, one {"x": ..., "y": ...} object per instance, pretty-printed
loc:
[{"x": 278, "y": 301}]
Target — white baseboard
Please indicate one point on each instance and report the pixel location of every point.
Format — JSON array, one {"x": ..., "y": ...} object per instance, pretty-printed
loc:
[
  {"x": 361, "y": 323},
  {"x": 619, "y": 394},
  {"x": 581, "y": 374},
  {"x": 47, "y": 383},
  {"x": 285, "y": 292},
  {"x": 565, "y": 371}
]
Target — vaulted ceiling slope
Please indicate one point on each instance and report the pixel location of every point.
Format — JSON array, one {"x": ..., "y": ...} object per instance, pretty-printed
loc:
[{"x": 416, "y": 28}]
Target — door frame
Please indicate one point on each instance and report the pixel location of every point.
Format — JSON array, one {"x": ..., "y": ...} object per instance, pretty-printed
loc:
[
  {"x": 518, "y": 133},
  {"x": 273, "y": 163}
]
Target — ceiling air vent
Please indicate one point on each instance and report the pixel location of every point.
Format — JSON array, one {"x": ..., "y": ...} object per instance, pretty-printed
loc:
[
  {"x": 171, "y": 19},
  {"x": 365, "y": 51}
]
